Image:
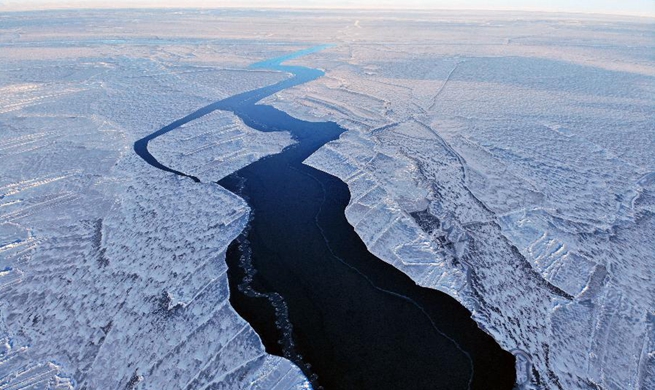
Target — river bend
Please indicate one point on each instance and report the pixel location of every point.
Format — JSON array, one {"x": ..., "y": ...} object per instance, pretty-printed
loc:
[{"x": 305, "y": 281}]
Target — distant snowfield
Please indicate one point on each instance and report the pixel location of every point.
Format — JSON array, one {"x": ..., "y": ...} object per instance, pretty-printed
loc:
[{"x": 504, "y": 160}]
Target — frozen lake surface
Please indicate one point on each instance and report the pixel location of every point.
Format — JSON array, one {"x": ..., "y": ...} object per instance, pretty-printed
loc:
[{"x": 505, "y": 159}]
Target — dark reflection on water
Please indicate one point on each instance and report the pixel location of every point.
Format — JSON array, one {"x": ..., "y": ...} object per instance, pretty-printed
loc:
[{"x": 302, "y": 277}]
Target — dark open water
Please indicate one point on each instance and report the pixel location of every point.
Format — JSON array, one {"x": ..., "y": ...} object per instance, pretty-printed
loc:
[{"x": 302, "y": 277}]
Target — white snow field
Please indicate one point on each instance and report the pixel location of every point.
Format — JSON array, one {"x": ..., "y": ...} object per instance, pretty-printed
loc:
[
  {"x": 507, "y": 159},
  {"x": 112, "y": 272}
]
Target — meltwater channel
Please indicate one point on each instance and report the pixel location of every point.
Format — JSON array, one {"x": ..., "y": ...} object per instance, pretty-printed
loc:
[{"x": 305, "y": 281}]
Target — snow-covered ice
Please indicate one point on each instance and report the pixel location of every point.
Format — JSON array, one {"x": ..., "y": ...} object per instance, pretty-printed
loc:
[
  {"x": 112, "y": 273},
  {"x": 503, "y": 161},
  {"x": 216, "y": 145}
]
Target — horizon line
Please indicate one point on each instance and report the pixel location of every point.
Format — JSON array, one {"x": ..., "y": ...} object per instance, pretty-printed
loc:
[{"x": 54, "y": 7}]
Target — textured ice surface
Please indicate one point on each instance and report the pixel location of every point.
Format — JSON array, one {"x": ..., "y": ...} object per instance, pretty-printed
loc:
[
  {"x": 215, "y": 145},
  {"x": 510, "y": 165},
  {"x": 506, "y": 159},
  {"x": 112, "y": 273}
]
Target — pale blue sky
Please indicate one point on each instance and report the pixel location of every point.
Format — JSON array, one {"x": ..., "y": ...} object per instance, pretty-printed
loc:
[{"x": 632, "y": 7}]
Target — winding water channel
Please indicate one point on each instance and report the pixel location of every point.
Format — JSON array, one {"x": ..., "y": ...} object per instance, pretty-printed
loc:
[{"x": 302, "y": 277}]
